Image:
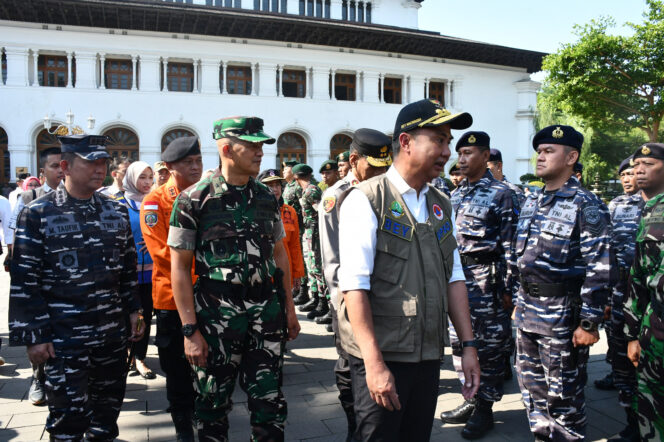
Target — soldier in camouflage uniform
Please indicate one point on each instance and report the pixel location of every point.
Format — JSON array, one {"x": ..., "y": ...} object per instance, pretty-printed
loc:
[
  {"x": 311, "y": 197},
  {"x": 644, "y": 307},
  {"x": 74, "y": 284},
  {"x": 625, "y": 214},
  {"x": 486, "y": 214},
  {"x": 233, "y": 318},
  {"x": 371, "y": 155},
  {"x": 562, "y": 252},
  {"x": 291, "y": 196}
]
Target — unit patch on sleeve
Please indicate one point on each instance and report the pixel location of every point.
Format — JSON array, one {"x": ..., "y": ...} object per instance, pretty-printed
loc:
[
  {"x": 151, "y": 219},
  {"x": 329, "y": 203}
]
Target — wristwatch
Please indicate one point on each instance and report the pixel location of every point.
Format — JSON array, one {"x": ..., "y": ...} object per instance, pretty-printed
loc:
[
  {"x": 189, "y": 329},
  {"x": 588, "y": 325},
  {"x": 471, "y": 343}
]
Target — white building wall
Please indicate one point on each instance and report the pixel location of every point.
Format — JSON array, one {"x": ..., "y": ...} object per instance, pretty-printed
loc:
[{"x": 500, "y": 99}]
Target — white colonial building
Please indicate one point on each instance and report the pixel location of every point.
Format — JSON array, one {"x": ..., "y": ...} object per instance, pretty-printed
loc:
[{"x": 146, "y": 71}]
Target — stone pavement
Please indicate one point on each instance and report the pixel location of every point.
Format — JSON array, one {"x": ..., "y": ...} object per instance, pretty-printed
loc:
[{"x": 314, "y": 413}]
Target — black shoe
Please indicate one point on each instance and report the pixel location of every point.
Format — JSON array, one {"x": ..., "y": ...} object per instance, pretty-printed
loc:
[
  {"x": 309, "y": 306},
  {"x": 480, "y": 422},
  {"x": 631, "y": 432},
  {"x": 539, "y": 438},
  {"x": 302, "y": 297},
  {"x": 460, "y": 414},
  {"x": 325, "y": 319},
  {"x": 606, "y": 383},
  {"x": 329, "y": 328},
  {"x": 508, "y": 368},
  {"x": 321, "y": 309},
  {"x": 182, "y": 420}
]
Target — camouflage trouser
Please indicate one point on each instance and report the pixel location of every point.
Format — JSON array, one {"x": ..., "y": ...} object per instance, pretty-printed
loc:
[
  {"x": 650, "y": 393},
  {"x": 624, "y": 373},
  {"x": 552, "y": 376},
  {"x": 491, "y": 330},
  {"x": 85, "y": 388},
  {"x": 243, "y": 328},
  {"x": 314, "y": 263}
]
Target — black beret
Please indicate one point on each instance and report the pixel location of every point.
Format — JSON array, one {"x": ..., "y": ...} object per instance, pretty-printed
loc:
[
  {"x": 328, "y": 165},
  {"x": 374, "y": 145},
  {"x": 650, "y": 150},
  {"x": 473, "y": 138},
  {"x": 578, "y": 168},
  {"x": 495, "y": 155},
  {"x": 289, "y": 163},
  {"x": 627, "y": 163},
  {"x": 180, "y": 148},
  {"x": 302, "y": 170},
  {"x": 559, "y": 134}
]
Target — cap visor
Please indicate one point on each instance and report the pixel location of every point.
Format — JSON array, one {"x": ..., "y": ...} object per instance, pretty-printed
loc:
[
  {"x": 258, "y": 137},
  {"x": 92, "y": 156},
  {"x": 272, "y": 178},
  {"x": 379, "y": 162},
  {"x": 459, "y": 121}
]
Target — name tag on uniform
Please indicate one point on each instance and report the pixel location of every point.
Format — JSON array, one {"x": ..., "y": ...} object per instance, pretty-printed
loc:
[
  {"x": 61, "y": 224},
  {"x": 564, "y": 211},
  {"x": 484, "y": 198},
  {"x": 397, "y": 228},
  {"x": 557, "y": 228},
  {"x": 625, "y": 213},
  {"x": 475, "y": 211},
  {"x": 445, "y": 230},
  {"x": 110, "y": 220},
  {"x": 529, "y": 208}
]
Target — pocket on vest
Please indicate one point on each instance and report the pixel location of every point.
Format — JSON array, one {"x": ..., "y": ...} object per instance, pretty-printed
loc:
[
  {"x": 391, "y": 257},
  {"x": 394, "y": 324}
]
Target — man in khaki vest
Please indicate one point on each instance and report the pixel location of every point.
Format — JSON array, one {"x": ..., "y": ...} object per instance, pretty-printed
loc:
[{"x": 399, "y": 265}]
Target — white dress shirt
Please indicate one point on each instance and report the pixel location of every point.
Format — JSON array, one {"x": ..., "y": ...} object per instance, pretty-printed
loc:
[
  {"x": 19, "y": 206},
  {"x": 5, "y": 216},
  {"x": 357, "y": 234}
]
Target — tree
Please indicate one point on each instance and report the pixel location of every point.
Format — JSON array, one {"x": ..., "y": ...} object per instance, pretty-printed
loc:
[{"x": 611, "y": 81}]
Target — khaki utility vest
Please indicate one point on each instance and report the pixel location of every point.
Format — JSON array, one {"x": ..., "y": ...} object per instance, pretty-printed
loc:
[{"x": 412, "y": 267}]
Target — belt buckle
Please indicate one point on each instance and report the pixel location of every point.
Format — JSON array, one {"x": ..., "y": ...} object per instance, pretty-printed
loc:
[{"x": 533, "y": 289}]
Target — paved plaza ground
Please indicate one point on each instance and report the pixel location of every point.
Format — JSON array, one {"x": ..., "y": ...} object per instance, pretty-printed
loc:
[{"x": 314, "y": 413}]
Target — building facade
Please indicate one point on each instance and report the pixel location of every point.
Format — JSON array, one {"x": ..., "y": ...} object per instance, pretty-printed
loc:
[{"x": 146, "y": 71}]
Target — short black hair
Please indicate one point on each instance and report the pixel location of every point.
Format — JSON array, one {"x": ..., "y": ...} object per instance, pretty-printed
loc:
[
  {"x": 44, "y": 154},
  {"x": 69, "y": 157},
  {"x": 22, "y": 176},
  {"x": 117, "y": 162}
]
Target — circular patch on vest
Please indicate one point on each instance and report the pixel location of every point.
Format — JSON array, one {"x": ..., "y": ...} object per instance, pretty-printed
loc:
[
  {"x": 396, "y": 209},
  {"x": 151, "y": 219},
  {"x": 437, "y": 211}
]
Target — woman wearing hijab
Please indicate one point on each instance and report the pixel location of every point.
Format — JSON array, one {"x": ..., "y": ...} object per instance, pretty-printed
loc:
[
  {"x": 31, "y": 183},
  {"x": 137, "y": 183}
]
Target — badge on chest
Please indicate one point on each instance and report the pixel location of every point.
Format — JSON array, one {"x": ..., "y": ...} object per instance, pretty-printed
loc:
[
  {"x": 397, "y": 228},
  {"x": 625, "y": 213}
]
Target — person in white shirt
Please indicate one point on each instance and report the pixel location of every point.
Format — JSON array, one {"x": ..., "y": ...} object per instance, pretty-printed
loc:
[
  {"x": 400, "y": 274},
  {"x": 13, "y": 195}
]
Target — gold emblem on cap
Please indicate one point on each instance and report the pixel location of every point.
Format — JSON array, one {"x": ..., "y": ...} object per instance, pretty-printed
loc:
[
  {"x": 383, "y": 149},
  {"x": 631, "y": 162},
  {"x": 645, "y": 150},
  {"x": 472, "y": 139},
  {"x": 327, "y": 166},
  {"x": 558, "y": 133}
]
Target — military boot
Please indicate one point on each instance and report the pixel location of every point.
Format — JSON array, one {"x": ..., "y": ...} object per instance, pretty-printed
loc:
[
  {"x": 182, "y": 420},
  {"x": 631, "y": 432},
  {"x": 460, "y": 414},
  {"x": 480, "y": 422},
  {"x": 508, "y": 368},
  {"x": 321, "y": 309},
  {"x": 606, "y": 383},
  {"x": 311, "y": 305},
  {"x": 325, "y": 319},
  {"x": 303, "y": 295}
]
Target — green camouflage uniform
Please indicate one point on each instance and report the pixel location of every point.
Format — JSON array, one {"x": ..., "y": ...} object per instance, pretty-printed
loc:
[
  {"x": 311, "y": 197},
  {"x": 292, "y": 195},
  {"x": 644, "y": 318},
  {"x": 233, "y": 231}
]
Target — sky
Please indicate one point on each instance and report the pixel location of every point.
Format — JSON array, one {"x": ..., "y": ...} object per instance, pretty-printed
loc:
[{"x": 540, "y": 25}]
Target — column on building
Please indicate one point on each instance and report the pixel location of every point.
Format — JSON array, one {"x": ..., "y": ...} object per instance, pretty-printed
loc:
[
  {"x": 224, "y": 81},
  {"x": 210, "y": 154},
  {"x": 333, "y": 82},
  {"x": 525, "y": 115},
  {"x": 254, "y": 72},
  {"x": 293, "y": 7},
  {"x": 102, "y": 71},
  {"x": 381, "y": 87},
  {"x": 457, "y": 93},
  {"x": 448, "y": 93},
  {"x": 134, "y": 72},
  {"x": 280, "y": 87},
  {"x": 150, "y": 154},
  {"x": 86, "y": 70},
  {"x": 318, "y": 150},
  {"x": 164, "y": 64},
  {"x": 266, "y": 76},
  {"x": 370, "y": 85},
  {"x": 17, "y": 66},
  {"x": 416, "y": 86},
  {"x": 35, "y": 68},
  {"x": 209, "y": 76},
  {"x": 21, "y": 155},
  {"x": 70, "y": 76},
  {"x": 149, "y": 75},
  {"x": 335, "y": 9},
  {"x": 321, "y": 83},
  {"x": 195, "y": 62},
  {"x": 247, "y": 4}
]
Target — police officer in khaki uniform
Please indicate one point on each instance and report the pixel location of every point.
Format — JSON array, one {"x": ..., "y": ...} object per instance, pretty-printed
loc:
[{"x": 398, "y": 267}]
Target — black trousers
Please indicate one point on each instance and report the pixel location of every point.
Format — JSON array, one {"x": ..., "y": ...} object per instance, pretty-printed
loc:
[
  {"x": 417, "y": 387},
  {"x": 343, "y": 377},
  {"x": 170, "y": 344},
  {"x": 145, "y": 292}
]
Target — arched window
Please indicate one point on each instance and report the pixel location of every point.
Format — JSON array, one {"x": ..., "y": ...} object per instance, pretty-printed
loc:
[
  {"x": 173, "y": 134},
  {"x": 122, "y": 142},
  {"x": 45, "y": 141},
  {"x": 339, "y": 143},
  {"x": 5, "y": 170},
  {"x": 291, "y": 146}
]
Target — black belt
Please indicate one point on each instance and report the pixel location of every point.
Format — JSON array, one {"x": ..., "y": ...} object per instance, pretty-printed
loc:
[
  {"x": 552, "y": 289},
  {"x": 468, "y": 260},
  {"x": 657, "y": 308}
]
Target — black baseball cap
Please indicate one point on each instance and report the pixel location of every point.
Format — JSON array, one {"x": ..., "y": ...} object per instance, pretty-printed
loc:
[{"x": 428, "y": 113}]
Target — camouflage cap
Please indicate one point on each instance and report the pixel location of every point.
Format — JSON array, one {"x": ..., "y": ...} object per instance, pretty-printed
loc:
[
  {"x": 245, "y": 128},
  {"x": 159, "y": 165},
  {"x": 88, "y": 147}
]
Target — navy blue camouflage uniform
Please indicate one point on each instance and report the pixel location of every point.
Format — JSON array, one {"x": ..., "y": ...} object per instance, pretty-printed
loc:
[
  {"x": 625, "y": 215},
  {"x": 74, "y": 284},
  {"x": 486, "y": 216},
  {"x": 562, "y": 251}
]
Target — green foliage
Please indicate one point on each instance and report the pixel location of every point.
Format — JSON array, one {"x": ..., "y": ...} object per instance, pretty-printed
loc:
[
  {"x": 612, "y": 82},
  {"x": 525, "y": 179}
]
